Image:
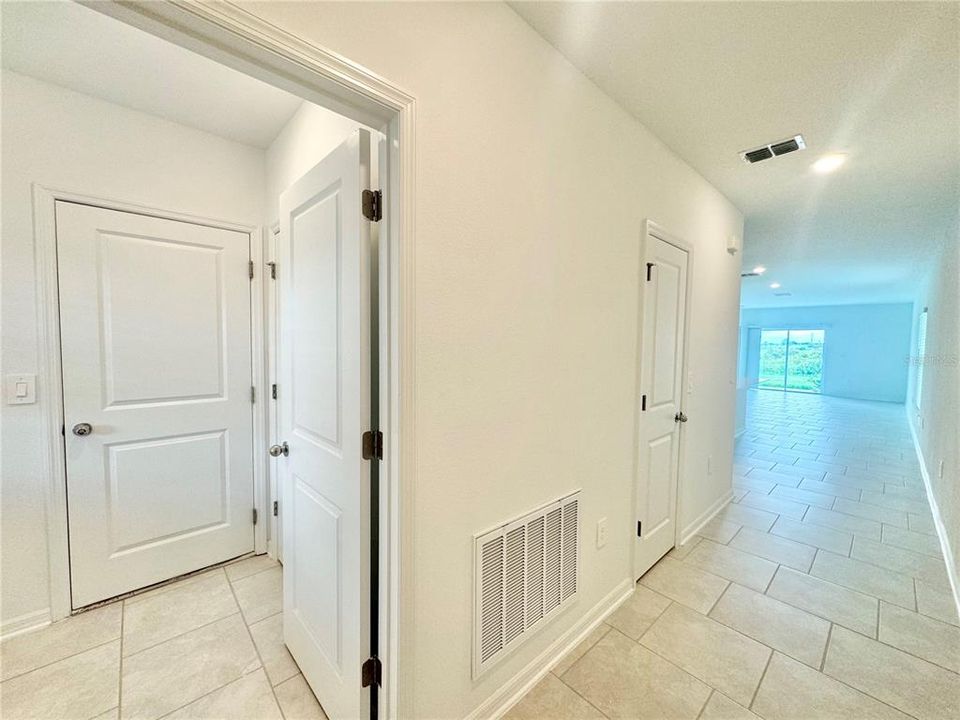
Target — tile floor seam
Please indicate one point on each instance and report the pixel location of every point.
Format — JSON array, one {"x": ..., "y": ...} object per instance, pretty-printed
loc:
[
  {"x": 826, "y": 646},
  {"x": 905, "y": 652},
  {"x": 700, "y": 714},
  {"x": 256, "y": 649},
  {"x": 258, "y": 572},
  {"x": 668, "y": 660},
  {"x": 206, "y": 694},
  {"x": 573, "y": 689},
  {"x": 756, "y": 690},
  {"x": 61, "y": 659},
  {"x": 186, "y": 632}
]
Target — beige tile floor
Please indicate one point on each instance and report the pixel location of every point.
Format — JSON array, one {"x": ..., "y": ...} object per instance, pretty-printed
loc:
[
  {"x": 203, "y": 648},
  {"x": 820, "y": 593}
]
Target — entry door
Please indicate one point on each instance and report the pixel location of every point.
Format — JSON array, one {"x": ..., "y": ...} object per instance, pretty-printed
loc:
[
  {"x": 661, "y": 382},
  {"x": 324, "y": 396},
  {"x": 158, "y": 421}
]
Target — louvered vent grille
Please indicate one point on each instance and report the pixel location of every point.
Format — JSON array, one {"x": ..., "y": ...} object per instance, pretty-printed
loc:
[{"x": 526, "y": 571}]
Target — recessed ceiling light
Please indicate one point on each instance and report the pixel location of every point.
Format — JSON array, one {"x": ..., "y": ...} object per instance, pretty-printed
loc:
[
  {"x": 774, "y": 285},
  {"x": 829, "y": 163},
  {"x": 759, "y": 270}
]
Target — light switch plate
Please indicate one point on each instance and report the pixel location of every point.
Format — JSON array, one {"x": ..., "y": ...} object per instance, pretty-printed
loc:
[{"x": 21, "y": 389}]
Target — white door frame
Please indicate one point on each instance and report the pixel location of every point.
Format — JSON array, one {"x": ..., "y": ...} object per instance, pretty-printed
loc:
[
  {"x": 652, "y": 229},
  {"x": 51, "y": 379},
  {"x": 241, "y": 40}
]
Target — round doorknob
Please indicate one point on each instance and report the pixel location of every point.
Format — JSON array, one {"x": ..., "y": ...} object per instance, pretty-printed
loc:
[
  {"x": 278, "y": 450},
  {"x": 82, "y": 429}
]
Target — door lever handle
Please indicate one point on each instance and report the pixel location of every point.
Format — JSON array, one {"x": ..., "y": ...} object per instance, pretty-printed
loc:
[{"x": 680, "y": 417}]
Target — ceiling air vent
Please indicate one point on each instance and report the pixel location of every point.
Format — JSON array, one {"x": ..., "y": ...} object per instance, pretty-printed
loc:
[{"x": 774, "y": 149}]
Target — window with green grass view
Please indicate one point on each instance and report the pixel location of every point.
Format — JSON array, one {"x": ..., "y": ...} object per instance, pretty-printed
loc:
[{"x": 791, "y": 360}]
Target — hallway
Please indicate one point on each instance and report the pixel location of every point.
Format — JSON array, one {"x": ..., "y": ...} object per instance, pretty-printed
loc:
[{"x": 819, "y": 592}]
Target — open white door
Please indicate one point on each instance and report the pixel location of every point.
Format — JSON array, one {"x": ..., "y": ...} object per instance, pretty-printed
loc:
[
  {"x": 324, "y": 397},
  {"x": 661, "y": 385}
]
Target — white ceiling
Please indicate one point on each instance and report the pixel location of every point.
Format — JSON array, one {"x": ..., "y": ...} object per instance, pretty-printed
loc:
[
  {"x": 878, "y": 81},
  {"x": 77, "y": 48}
]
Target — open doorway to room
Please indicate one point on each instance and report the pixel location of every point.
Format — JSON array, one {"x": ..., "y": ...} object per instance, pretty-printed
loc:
[{"x": 217, "y": 335}]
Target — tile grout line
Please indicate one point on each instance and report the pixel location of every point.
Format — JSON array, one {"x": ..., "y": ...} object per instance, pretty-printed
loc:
[
  {"x": 709, "y": 697},
  {"x": 826, "y": 647},
  {"x": 65, "y": 657},
  {"x": 256, "y": 649},
  {"x": 186, "y": 632},
  {"x": 756, "y": 690}
]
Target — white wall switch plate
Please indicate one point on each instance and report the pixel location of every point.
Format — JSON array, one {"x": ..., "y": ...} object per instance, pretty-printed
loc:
[
  {"x": 601, "y": 532},
  {"x": 21, "y": 389}
]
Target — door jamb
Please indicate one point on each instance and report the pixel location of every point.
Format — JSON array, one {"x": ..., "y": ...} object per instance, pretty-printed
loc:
[
  {"x": 652, "y": 229},
  {"x": 241, "y": 40},
  {"x": 51, "y": 378}
]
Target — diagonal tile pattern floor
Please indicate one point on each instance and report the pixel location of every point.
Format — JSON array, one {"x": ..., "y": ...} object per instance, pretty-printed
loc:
[
  {"x": 819, "y": 593},
  {"x": 206, "y": 647}
]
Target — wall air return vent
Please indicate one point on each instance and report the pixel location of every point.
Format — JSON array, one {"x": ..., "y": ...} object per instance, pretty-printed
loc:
[
  {"x": 525, "y": 572},
  {"x": 774, "y": 149}
]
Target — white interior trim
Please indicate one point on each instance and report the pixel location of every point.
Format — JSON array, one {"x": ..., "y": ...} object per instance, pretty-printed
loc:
[
  {"x": 51, "y": 379},
  {"x": 948, "y": 558},
  {"x": 706, "y": 516},
  {"x": 509, "y": 694},
  {"x": 241, "y": 40},
  {"x": 27, "y": 622}
]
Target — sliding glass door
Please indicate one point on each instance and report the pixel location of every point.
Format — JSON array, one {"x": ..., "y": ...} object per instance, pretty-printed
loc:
[{"x": 791, "y": 360}]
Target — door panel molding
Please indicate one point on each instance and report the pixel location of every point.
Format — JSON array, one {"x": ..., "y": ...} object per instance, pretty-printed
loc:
[{"x": 50, "y": 380}]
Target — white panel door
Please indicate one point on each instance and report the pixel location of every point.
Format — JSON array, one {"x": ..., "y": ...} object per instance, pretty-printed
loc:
[
  {"x": 661, "y": 373},
  {"x": 155, "y": 338},
  {"x": 324, "y": 397}
]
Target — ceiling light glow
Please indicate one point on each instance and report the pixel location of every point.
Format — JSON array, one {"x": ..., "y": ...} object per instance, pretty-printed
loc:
[
  {"x": 774, "y": 285},
  {"x": 829, "y": 163},
  {"x": 759, "y": 270}
]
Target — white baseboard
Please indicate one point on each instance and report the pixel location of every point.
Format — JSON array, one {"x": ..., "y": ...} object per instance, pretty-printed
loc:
[
  {"x": 25, "y": 623},
  {"x": 706, "y": 516},
  {"x": 511, "y": 692},
  {"x": 937, "y": 518}
]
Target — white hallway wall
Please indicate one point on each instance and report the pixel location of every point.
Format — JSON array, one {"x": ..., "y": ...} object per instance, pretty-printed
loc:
[
  {"x": 532, "y": 190},
  {"x": 65, "y": 140},
  {"x": 939, "y": 436}
]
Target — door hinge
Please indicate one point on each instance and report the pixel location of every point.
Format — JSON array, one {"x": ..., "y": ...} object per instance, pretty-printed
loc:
[
  {"x": 370, "y": 671},
  {"x": 649, "y": 271},
  {"x": 643, "y": 403},
  {"x": 276, "y": 508},
  {"x": 273, "y": 391},
  {"x": 254, "y": 516},
  {"x": 253, "y": 394},
  {"x": 273, "y": 270},
  {"x": 373, "y": 205},
  {"x": 250, "y": 272},
  {"x": 373, "y": 445},
  {"x": 639, "y": 529}
]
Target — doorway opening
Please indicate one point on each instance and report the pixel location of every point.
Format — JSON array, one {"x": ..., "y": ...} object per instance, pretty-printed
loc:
[{"x": 178, "y": 309}]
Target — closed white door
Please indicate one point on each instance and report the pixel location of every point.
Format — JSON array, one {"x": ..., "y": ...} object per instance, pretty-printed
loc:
[
  {"x": 661, "y": 407},
  {"x": 158, "y": 425},
  {"x": 324, "y": 397}
]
